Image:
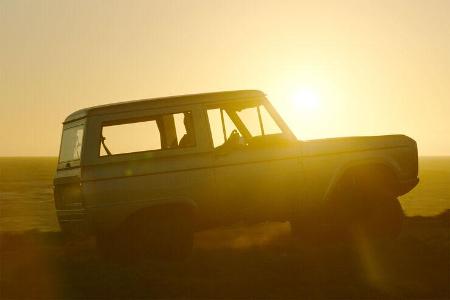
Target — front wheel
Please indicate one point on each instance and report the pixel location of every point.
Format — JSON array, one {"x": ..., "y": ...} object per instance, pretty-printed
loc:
[
  {"x": 368, "y": 216},
  {"x": 383, "y": 219}
]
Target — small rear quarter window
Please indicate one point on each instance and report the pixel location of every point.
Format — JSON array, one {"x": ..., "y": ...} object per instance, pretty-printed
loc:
[{"x": 71, "y": 144}]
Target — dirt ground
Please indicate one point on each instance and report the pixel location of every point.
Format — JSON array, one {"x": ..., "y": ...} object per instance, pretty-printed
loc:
[{"x": 259, "y": 261}]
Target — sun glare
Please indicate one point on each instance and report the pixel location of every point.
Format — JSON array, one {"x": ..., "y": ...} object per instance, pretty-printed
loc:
[{"x": 306, "y": 100}]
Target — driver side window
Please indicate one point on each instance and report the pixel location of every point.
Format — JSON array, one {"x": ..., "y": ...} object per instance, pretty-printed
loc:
[
  {"x": 221, "y": 126},
  {"x": 240, "y": 123}
]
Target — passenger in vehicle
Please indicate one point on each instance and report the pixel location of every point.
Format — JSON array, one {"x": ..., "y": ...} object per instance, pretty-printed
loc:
[{"x": 188, "y": 139}]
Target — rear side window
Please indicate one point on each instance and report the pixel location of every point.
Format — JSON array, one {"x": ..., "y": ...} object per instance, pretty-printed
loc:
[
  {"x": 71, "y": 144},
  {"x": 163, "y": 132},
  {"x": 132, "y": 137}
]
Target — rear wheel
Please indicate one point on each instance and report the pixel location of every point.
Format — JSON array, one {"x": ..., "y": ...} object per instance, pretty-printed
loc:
[{"x": 160, "y": 233}]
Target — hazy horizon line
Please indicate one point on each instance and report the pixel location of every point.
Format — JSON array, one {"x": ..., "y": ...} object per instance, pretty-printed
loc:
[{"x": 52, "y": 156}]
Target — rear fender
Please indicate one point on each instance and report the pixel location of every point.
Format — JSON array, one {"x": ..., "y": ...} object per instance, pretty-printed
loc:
[{"x": 112, "y": 218}]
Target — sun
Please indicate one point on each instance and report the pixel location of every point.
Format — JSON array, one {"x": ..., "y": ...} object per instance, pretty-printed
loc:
[
  {"x": 304, "y": 106},
  {"x": 306, "y": 100}
]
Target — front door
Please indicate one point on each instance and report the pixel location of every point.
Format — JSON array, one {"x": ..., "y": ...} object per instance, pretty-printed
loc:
[{"x": 256, "y": 164}]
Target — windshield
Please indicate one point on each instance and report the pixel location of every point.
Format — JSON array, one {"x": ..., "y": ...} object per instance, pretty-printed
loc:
[{"x": 71, "y": 144}]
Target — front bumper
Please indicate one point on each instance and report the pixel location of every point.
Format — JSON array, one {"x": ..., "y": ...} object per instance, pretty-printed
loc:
[{"x": 407, "y": 185}]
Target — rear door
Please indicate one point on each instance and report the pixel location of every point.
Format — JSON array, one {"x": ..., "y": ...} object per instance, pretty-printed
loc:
[{"x": 145, "y": 158}]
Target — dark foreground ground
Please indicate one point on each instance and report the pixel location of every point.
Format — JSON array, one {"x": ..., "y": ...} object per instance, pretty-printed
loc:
[{"x": 260, "y": 261}]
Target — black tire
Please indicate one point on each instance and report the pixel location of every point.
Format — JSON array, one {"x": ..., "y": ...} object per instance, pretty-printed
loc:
[
  {"x": 384, "y": 220},
  {"x": 159, "y": 233},
  {"x": 373, "y": 211}
]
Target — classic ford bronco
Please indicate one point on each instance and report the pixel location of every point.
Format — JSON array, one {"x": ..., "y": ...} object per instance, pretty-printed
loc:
[{"x": 143, "y": 175}]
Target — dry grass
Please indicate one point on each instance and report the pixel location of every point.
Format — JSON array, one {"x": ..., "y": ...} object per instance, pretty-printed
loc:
[{"x": 259, "y": 261}]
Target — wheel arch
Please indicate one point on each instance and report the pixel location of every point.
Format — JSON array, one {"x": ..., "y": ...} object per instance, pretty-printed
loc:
[
  {"x": 171, "y": 203},
  {"x": 373, "y": 172},
  {"x": 117, "y": 221}
]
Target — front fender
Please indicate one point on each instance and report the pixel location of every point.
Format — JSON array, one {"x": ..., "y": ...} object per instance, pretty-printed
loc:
[{"x": 340, "y": 172}]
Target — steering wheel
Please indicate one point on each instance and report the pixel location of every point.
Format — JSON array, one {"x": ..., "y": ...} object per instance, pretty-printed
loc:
[{"x": 234, "y": 137}]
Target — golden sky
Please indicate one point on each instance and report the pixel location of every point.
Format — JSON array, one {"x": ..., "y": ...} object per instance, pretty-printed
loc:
[{"x": 331, "y": 68}]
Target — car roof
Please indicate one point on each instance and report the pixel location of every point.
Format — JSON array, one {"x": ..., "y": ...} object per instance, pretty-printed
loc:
[{"x": 151, "y": 103}]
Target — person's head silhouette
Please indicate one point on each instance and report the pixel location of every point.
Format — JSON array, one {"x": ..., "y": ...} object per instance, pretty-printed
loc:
[
  {"x": 188, "y": 139},
  {"x": 188, "y": 122}
]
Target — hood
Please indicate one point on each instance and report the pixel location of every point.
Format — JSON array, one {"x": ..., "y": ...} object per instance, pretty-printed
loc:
[{"x": 357, "y": 143}]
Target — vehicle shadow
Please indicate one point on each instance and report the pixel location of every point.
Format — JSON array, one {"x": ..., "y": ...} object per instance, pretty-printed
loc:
[{"x": 260, "y": 261}]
